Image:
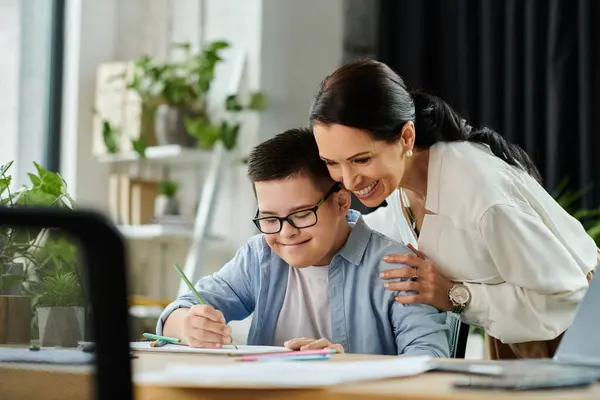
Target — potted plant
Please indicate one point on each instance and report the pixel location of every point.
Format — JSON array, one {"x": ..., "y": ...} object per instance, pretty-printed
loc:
[
  {"x": 589, "y": 218},
  {"x": 166, "y": 203},
  {"x": 178, "y": 92},
  {"x": 20, "y": 248},
  {"x": 59, "y": 300}
]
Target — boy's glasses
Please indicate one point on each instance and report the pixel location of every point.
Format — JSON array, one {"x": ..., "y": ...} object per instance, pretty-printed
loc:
[{"x": 298, "y": 219}]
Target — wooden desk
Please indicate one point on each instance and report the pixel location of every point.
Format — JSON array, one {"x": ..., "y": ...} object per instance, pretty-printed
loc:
[{"x": 66, "y": 383}]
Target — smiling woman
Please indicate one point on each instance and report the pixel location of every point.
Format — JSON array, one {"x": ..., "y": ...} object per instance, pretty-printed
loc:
[{"x": 496, "y": 247}]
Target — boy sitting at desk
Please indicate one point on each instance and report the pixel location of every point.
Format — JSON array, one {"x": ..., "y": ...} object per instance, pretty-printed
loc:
[{"x": 311, "y": 275}]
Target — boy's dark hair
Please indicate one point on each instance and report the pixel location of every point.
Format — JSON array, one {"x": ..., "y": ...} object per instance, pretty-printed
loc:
[{"x": 289, "y": 154}]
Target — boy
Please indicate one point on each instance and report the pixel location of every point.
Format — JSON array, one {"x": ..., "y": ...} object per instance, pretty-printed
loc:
[{"x": 310, "y": 275}]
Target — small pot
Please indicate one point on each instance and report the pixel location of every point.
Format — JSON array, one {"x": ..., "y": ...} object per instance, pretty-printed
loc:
[
  {"x": 61, "y": 326},
  {"x": 169, "y": 123},
  {"x": 164, "y": 205}
]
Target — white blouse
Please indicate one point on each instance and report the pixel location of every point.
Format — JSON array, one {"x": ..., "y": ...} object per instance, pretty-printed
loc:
[{"x": 498, "y": 231}]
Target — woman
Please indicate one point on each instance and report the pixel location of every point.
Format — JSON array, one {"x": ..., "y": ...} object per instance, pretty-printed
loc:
[{"x": 499, "y": 249}]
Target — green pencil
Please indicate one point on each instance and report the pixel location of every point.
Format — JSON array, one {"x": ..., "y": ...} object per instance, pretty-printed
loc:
[{"x": 195, "y": 292}]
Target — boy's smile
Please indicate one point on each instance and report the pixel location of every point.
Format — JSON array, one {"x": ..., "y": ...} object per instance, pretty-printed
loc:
[{"x": 294, "y": 198}]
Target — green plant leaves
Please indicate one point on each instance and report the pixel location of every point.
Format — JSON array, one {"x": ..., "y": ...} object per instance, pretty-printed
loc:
[
  {"x": 49, "y": 182},
  {"x": 232, "y": 103},
  {"x": 139, "y": 146},
  {"x": 110, "y": 135},
  {"x": 5, "y": 167},
  {"x": 567, "y": 198},
  {"x": 60, "y": 290},
  {"x": 168, "y": 188},
  {"x": 178, "y": 83},
  {"x": 229, "y": 134},
  {"x": 258, "y": 102},
  {"x": 5, "y": 184},
  {"x": 218, "y": 45},
  {"x": 200, "y": 128},
  {"x": 185, "y": 84}
]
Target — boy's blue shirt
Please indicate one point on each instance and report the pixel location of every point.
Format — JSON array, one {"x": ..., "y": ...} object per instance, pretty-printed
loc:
[{"x": 364, "y": 316}]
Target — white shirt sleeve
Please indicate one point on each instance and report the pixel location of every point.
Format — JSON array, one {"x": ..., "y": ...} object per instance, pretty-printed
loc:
[{"x": 543, "y": 284}]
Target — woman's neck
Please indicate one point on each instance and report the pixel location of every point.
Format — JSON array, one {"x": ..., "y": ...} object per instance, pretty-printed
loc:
[{"x": 415, "y": 174}]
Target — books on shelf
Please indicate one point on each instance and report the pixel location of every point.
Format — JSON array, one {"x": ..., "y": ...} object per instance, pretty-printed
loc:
[{"x": 131, "y": 200}]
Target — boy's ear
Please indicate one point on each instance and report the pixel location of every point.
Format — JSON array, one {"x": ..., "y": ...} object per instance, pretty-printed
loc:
[{"x": 344, "y": 200}]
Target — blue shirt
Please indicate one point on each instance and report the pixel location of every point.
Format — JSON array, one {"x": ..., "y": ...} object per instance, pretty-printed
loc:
[{"x": 364, "y": 316}]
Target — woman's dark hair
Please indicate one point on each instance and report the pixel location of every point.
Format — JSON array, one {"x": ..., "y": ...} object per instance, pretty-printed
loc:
[{"x": 368, "y": 95}]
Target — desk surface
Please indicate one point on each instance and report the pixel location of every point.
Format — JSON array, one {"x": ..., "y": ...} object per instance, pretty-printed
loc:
[{"x": 19, "y": 381}]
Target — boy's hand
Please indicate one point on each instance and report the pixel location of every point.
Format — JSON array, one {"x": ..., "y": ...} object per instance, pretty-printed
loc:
[
  {"x": 205, "y": 327},
  {"x": 313, "y": 344}
]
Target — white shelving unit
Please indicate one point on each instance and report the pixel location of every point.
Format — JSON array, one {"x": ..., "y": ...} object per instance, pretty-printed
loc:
[
  {"x": 156, "y": 231},
  {"x": 161, "y": 155},
  {"x": 167, "y": 157},
  {"x": 212, "y": 162}
]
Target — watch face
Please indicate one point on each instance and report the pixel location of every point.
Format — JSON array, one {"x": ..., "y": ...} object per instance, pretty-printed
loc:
[{"x": 460, "y": 294}]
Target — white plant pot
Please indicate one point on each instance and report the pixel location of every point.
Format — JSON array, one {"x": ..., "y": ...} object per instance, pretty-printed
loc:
[
  {"x": 164, "y": 205},
  {"x": 61, "y": 326}
]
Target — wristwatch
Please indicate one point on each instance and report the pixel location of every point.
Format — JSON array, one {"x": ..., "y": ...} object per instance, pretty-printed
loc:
[{"x": 460, "y": 297}]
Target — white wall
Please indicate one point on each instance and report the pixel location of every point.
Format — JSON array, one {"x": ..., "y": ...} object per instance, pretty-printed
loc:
[
  {"x": 301, "y": 43},
  {"x": 91, "y": 29}
]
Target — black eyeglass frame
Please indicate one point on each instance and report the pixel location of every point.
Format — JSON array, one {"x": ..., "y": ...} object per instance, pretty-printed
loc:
[{"x": 336, "y": 188}]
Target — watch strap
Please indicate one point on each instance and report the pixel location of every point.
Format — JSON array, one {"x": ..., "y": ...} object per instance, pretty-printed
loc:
[{"x": 458, "y": 308}]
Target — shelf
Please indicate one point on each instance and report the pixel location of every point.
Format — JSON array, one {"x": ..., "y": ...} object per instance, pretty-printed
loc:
[
  {"x": 145, "y": 311},
  {"x": 171, "y": 154},
  {"x": 155, "y": 231}
]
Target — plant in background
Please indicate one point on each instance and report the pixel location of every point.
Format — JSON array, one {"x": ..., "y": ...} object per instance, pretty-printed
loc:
[
  {"x": 110, "y": 135},
  {"x": 57, "y": 281},
  {"x": 168, "y": 188},
  {"x": 589, "y": 218},
  {"x": 21, "y": 245},
  {"x": 166, "y": 203},
  {"x": 139, "y": 146},
  {"x": 179, "y": 91},
  {"x": 227, "y": 131},
  {"x": 183, "y": 84}
]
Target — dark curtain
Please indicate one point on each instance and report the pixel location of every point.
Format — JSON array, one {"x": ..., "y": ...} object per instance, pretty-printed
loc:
[{"x": 528, "y": 69}]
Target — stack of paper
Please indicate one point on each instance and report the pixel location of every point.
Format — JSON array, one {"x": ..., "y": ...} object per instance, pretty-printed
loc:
[
  {"x": 287, "y": 374},
  {"x": 231, "y": 350}
]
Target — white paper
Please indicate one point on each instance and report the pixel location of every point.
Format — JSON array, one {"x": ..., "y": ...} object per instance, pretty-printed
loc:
[
  {"x": 227, "y": 349},
  {"x": 286, "y": 374}
]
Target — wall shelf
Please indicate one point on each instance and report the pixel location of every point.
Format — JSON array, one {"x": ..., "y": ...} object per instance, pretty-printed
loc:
[
  {"x": 166, "y": 155},
  {"x": 156, "y": 231}
]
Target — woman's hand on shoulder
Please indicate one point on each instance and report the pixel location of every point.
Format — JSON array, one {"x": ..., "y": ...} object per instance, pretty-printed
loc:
[{"x": 427, "y": 284}]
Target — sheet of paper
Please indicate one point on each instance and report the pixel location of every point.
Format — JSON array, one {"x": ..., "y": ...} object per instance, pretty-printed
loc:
[
  {"x": 285, "y": 374},
  {"x": 226, "y": 350}
]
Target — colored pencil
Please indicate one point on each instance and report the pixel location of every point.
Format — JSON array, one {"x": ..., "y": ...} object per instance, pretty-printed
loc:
[{"x": 195, "y": 292}]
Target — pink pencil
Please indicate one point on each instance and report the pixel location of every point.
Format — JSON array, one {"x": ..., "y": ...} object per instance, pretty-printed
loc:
[{"x": 289, "y": 354}]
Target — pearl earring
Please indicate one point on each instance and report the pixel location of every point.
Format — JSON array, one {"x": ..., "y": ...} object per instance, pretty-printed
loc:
[{"x": 409, "y": 153}]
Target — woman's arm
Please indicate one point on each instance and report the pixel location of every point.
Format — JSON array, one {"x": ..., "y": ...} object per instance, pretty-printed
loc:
[{"x": 544, "y": 280}]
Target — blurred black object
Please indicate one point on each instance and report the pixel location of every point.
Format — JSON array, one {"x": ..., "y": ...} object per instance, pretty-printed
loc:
[{"x": 104, "y": 256}]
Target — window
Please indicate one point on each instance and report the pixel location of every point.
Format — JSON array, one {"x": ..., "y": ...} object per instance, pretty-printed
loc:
[{"x": 31, "y": 37}]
